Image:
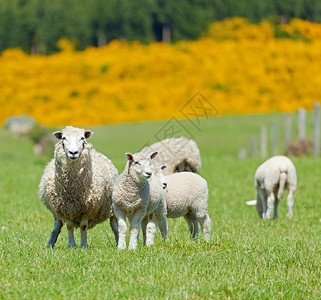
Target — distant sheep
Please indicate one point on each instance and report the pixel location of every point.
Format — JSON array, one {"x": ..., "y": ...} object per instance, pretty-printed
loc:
[
  {"x": 178, "y": 154},
  {"x": 77, "y": 186},
  {"x": 131, "y": 196},
  {"x": 156, "y": 210},
  {"x": 187, "y": 196},
  {"x": 271, "y": 179}
]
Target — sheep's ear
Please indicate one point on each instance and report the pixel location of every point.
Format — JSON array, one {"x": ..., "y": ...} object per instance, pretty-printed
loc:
[
  {"x": 58, "y": 135},
  {"x": 88, "y": 134},
  {"x": 163, "y": 167},
  {"x": 153, "y": 155},
  {"x": 129, "y": 156}
]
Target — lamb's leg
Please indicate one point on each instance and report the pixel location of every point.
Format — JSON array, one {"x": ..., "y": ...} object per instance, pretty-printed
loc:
[
  {"x": 135, "y": 223},
  {"x": 114, "y": 227},
  {"x": 259, "y": 201},
  {"x": 192, "y": 225},
  {"x": 160, "y": 215},
  {"x": 55, "y": 233},
  {"x": 122, "y": 227},
  {"x": 71, "y": 239},
  {"x": 144, "y": 226},
  {"x": 276, "y": 205},
  {"x": 205, "y": 223},
  {"x": 83, "y": 233},
  {"x": 290, "y": 202},
  {"x": 151, "y": 230},
  {"x": 270, "y": 205}
]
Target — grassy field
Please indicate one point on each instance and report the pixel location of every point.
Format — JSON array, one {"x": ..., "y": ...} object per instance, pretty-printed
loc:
[{"x": 247, "y": 258}]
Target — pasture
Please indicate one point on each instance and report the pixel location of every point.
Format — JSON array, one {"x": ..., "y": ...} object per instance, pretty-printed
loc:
[{"x": 247, "y": 258}]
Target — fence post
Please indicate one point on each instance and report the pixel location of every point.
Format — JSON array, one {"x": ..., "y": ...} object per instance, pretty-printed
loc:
[
  {"x": 316, "y": 129},
  {"x": 242, "y": 153},
  {"x": 252, "y": 146},
  {"x": 287, "y": 130},
  {"x": 301, "y": 123},
  {"x": 274, "y": 138},
  {"x": 263, "y": 142}
]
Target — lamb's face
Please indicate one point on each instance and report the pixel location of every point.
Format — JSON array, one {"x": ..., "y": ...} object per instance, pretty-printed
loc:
[
  {"x": 140, "y": 164},
  {"x": 158, "y": 171},
  {"x": 73, "y": 141}
]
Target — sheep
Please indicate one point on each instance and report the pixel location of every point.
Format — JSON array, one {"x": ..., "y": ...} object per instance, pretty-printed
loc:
[
  {"x": 178, "y": 154},
  {"x": 156, "y": 210},
  {"x": 186, "y": 196},
  {"x": 271, "y": 179},
  {"x": 76, "y": 186},
  {"x": 131, "y": 196}
]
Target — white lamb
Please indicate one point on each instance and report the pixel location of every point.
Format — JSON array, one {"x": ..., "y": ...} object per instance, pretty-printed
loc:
[
  {"x": 178, "y": 154},
  {"x": 131, "y": 196},
  {"x": 187, "y": 196},
  {"x": 156, "y": 210},
  {"x": 77, "y": 186},
  {"x": 271, "y": 179}
]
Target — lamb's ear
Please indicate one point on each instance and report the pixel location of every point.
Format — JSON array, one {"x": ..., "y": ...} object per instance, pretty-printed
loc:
[
  {"x": 153, "y": 155},
  {"x": 163, "y": 168},
  {"x": 58, "y": 135},
  {"x": 129, "y": 156},
  {"x": 88, "y": 134}
]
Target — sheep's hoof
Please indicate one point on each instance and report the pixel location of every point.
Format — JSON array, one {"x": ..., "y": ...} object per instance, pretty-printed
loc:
[
  {"x": 84, "y": 246},
  {"x": 71, "y": 245}
]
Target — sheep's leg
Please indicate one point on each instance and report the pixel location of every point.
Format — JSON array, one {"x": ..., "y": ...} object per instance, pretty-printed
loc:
[
  {"x": 205, "y": 223},
  {"x": 55, "y": 233},
  {"x": 290, "y": 202},
  {"x": 83, "y": 233},
  {"x": 144, "y": 226},
  {"x": 259, "y": 201},
  {"x": 276, "y": 205},
  {"x": 151, "y": 230},
  {"x": 114, "y": 227},
  {"x": 192, "y": 225},
  {"x": 135, "y": 223},
  {"x": 160, "y": 215},
  {"x": 122, "y": 227},
  {"x": 270, "y": 205},
  {"x": 71, "y": 239}
]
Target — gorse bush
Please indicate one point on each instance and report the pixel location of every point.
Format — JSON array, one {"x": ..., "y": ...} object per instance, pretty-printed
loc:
[{"x": 239, "y": 67}]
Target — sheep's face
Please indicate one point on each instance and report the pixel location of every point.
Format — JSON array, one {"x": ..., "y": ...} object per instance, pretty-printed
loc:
[
  {"x": 73, "y": 141},
  {"x": 158, "y": 171},
  {"x": 140, "y": 164}
]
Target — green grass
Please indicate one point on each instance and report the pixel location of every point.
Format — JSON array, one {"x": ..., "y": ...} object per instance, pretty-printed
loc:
[{"x": 246, "y": 258}]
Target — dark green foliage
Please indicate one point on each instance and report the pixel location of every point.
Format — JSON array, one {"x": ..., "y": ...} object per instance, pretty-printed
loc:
[{"x": 37, "y": 25}]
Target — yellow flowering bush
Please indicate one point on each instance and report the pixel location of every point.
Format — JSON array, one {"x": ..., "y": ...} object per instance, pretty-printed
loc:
[{"x": 239, "y": 67}]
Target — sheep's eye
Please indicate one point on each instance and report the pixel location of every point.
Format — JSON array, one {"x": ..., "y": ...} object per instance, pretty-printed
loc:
[
  {"x": 137, "y": 163},
  {"x": 82, "y": 139},
  {"x": 64, "y": 138}
]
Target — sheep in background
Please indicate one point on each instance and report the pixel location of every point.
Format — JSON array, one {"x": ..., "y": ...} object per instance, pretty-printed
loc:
[
  {"x": 187, "y": 196},
  {"x": 77, "y": 186},
  {"x": 131, "y": 196},
  {"x": 178, "y": 154},
  {"x": 271, "y": 179},
  {"x": 156, "y": 210}
]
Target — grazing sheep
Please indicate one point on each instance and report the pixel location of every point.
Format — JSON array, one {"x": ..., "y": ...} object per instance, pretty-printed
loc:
[
  {"x": 178, "y": 154},
  {"x": 187, "y": 196},
  {"x": 131, "y": 196},
  {"x": 156, "y": 210},
  {"x": 77, "y": 186},
  {"x": 271, "y": 179}
]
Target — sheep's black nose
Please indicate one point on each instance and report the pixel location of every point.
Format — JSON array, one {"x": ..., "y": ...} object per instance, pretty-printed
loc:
[
  {"x": 164, "y": 185},
  {"x": 73, "y": 153},
  {"x": 149, "y": 173}
]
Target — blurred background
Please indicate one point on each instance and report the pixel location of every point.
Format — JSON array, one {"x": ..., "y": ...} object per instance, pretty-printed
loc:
[{"x": 93, "y": 62}]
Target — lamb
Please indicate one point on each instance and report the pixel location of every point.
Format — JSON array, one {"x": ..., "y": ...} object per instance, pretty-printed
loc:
[
  {"x": 131, "y": 196},
  {"x": 187, "y": 196},
  {"x": 156, "y": 210},
  {"x": 178, "y": 154},
  {"x": 77, "y": 186},
  {"x": 271, "y": 179}
]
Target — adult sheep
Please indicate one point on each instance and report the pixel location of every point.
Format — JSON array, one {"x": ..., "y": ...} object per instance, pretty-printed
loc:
[
  {"x": 77, "y": 186},
  {"x": 271, "y": 179},
  {"x": 178, "y": 154}
]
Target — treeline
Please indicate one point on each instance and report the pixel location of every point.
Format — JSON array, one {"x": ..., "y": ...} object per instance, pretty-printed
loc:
[{"x": 37, "y": 25}]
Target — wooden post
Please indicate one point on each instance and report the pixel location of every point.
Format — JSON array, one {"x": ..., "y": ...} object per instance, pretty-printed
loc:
[
  {"x": 242, "y": 153},
  {"x": 287, "y": 130},
  {"x": 316, "y": 129},
  {"x": 274, "y": 138},
  {"x": 263, "y": 142},
  {"x": 301, "y": 123},
  {"x": 252, "y": 146}
]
